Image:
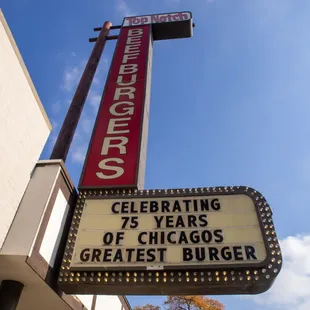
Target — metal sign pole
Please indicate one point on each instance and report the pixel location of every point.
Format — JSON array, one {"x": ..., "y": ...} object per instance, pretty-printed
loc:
[{"x": 69, "y": 125}]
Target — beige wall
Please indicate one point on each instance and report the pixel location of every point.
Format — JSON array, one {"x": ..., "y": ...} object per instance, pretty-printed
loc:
[{"x": 24, "y": 128}]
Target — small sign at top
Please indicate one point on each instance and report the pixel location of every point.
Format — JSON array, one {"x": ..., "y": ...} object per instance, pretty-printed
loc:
[
  {"x": 165, "y": 26},
  {"x": 156, "y": 18}
]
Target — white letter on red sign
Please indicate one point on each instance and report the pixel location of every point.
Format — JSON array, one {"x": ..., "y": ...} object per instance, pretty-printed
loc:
[
  {"x": 124, "y": 91},
  {"x": 113, "y": 124},
  {"x": 127, "y": 57},
  {"x": 135, "y": 32},
  {"x": 128, "y": 69},
  {"x": 107, "y": 145},
  {"x": 103, "y": 165},
  {"x": 121, "y": 83},
  {"x": 125, "y": 111}
]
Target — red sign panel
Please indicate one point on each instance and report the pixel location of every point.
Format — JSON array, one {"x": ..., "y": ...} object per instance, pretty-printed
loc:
[{"x": 115, "y": 148}]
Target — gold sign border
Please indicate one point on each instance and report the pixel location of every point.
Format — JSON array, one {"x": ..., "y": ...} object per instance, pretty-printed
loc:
[{"x": 202, "y": 279}]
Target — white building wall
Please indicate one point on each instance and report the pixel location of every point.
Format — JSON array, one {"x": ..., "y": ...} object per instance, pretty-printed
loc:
[{"x": 24, "y": 128}]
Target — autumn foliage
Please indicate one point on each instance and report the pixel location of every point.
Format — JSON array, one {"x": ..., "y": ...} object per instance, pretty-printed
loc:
[{"x": 186, "y": 303}]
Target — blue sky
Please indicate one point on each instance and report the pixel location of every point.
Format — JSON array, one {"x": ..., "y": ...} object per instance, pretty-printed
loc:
[{"x": 229, "y": 106}]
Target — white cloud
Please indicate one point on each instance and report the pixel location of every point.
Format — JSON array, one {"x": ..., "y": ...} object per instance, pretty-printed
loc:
[
  {"x": 123, "y": 8},
  {"x": 56, "y": 107},
  {"x": 78, "y": 154},
  {"x": 94, "y": 100},
  {"x": 87, "y": 125},
  {"x": 291, "y": 289},
  {"x": 72, "y": 76}
]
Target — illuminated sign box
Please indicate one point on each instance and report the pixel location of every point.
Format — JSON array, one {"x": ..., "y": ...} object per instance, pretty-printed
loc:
[
  {"x": 204, "y": 241},
  {"x": 165, "y": 26}
]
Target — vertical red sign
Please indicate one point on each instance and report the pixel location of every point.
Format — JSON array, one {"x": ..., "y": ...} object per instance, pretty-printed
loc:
[{"x": 116, "y": 154}]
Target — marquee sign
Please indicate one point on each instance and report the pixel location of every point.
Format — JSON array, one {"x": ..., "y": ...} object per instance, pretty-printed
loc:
[{"x": 203, "y": 241}]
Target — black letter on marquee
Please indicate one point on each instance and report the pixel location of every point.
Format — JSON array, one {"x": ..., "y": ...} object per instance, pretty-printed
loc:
[
  {"x": 130, "y": 251},
  {"x": 158, "y": 220},
  {"x": 151, "y": 254},
  {"x": 165, "y": 206},
  {"x": 106, "y": 255},
  {"x": 140, "y": 237},
  {"x": 119, "y": 237},
  {"x": 226, "y": 254},
  {"x": 204, "y": 203},
  {"x": 161, "y": 254},
  {"x": 213, "y": 252},
  {"x": 118, "y": 256},
  {"x": 113, "y": 207},
  {"x": 250, "y": 252},
  {"x": 96, "y": 255},
  {"x": 140, "y": 255},
  {"x": 200, "y": 254},
  {"x": 108, "y": 238},
  {"x": 84, "y": 255},
  {"x": 203, "y": 220},
  {"x": 192, "y": 221},
  {"x": 238, "y": 255},
  {"x": 125, "y": 221},
  {"x": 187, "y": 254},
  {"x": 215, "y": 204},
  {"x": 218, "y": 233},
  {"x": 154, "y": 206},
  {"x": 169, "y": 237},
  {"x": 187, "y": 202},
  {"x": 206, "y": 236}
]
